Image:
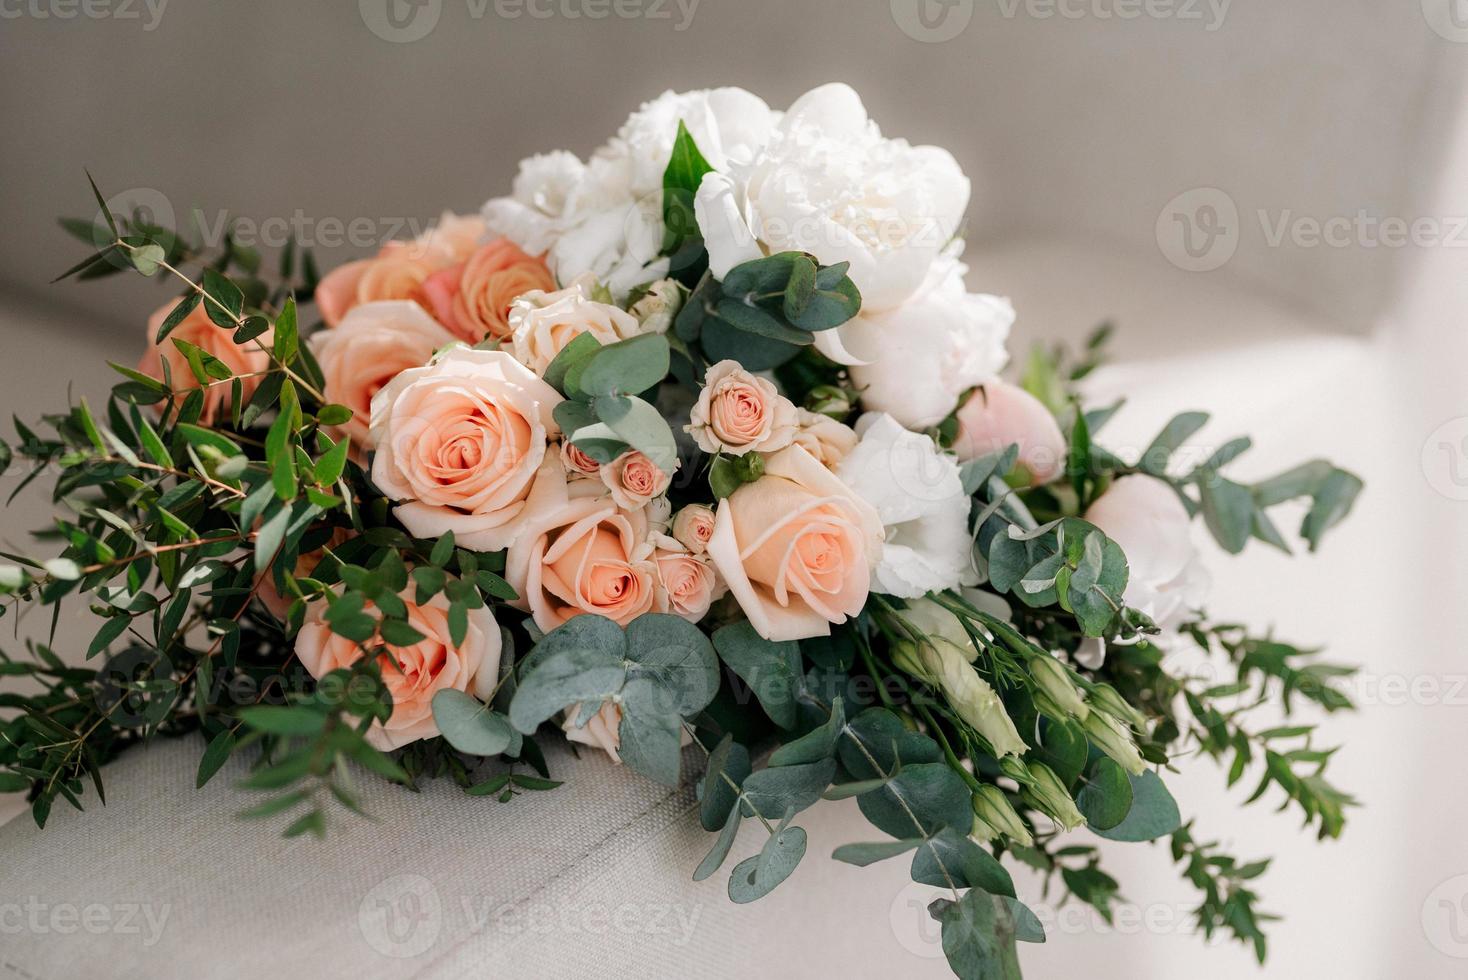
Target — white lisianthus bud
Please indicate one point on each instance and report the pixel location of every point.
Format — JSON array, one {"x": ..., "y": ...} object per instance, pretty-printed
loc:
[
  {"x": 659, "y": 307},
  {"x": 1048, "y": 793},
  {"x": 1108, "y": 736},
  {"x": 972, "y": 697},
  {"x": 994, "y": 817},
  {"x": 1105, "y": 698},
  {"x": 1055, "y": 693}
]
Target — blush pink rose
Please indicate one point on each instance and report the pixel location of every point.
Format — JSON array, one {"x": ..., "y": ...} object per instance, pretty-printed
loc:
[
  {"x": 461, "y": 444},
  {"x": 796, "y": 548},
  {"x": 738, "y": 412},
  {"x": 413, "y": 675},
  {"x": 373, "y": 344},
  {"x": 399, "y": 270},
  {"x": 585, "y": 556},
  {"x": 1000, "y": 415},
  {"x": 473, "y": 299},
  {"x": 577, "y": 461},
  {"x": 693, "y": 526},
  {"x": 824, "y": 438},
  {"x": 633, "y": 480},
  {"x": 686, "y": 584},
  {"x": 199, "y": 330}
]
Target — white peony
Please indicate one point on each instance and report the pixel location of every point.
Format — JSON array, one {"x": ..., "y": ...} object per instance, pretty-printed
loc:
[
  {"x": 828, "y": 183},
  {"x": 604, "y": 217},
  {"x": 915, "y": 362},
  {"x": 917, "y": 493}
]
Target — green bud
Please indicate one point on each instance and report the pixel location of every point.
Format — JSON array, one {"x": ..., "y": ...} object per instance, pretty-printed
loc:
[
  {"x": 1048, "y": 794},
  {"x": 1055, "y": 693},
  {"x": 829, "y": 400},
  {"x": 1106, "y": 698},
  {"x": 749, "y": 467},
  {"x": 944, "y": 664},
  {"x": 1107, "y": 735},
  {"x": 905, "y": 656},
  {"x": 994, "y": 817}
]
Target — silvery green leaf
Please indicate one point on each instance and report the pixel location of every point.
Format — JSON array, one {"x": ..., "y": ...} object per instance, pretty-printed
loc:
[
  {"x": 878, "y": 734},
  {"x": 977, "y": 940},
  {"x": 678, "y": 656},
  {"x": 1153, "y": 813},
  {"x": 920, "y": 799},
  {"x": 626, "y": 367},
  {"x": 469, "y": 724},
  {"x": 772, "y": 670},
  {"x": 951, "y": 859},
  {"x": 816, "y": 745},
  {"x": 862, "y": 855},
  {"x": 728, "y": 763},
  {"x": 756, "y": 877},
  {"x": 650, "y": 731},
  {"x": 777, "y": 789},
  {"x": 1106, "y": 797},
  {"x": 716, "y": 855},
  {"x": 642, "y": 427}
]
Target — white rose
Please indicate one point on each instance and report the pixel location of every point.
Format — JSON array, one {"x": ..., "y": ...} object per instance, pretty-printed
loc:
[
  {"x": 915, "y": 362},
  {"x": 1168, "y": 581},
  {"x": 828, "y": 183},
  {"x": 542, "y": 324},
  {"x": 919, "y": 498},
  {"x": 659, "y": 307}
]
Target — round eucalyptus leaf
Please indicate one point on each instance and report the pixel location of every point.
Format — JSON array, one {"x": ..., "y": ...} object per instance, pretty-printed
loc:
[
  {"x": 470, "y": 725},
  {"x": 754, "y": 878}
]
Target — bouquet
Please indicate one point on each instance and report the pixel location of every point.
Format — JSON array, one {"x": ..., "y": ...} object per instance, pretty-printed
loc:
[{"x": 697, "y": 449}]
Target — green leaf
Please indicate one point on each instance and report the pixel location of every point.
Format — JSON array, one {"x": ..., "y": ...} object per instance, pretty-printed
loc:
[
  {"x": 626, "y": 367},
  {"x": 681, "y": 179},
  {"x": 728, "y": 762},
  {"x": 642, "y": 427},
  {"x": 650, "y": 731},
  {"x": 224, "y": 302},
  {"x": 977, "y": 939},
  {"x": 722, "y": 341},
  {"x": 102, "y": 206},
  {"x": 579, "y": 661},
  {"x": 950, "y": 857},
  {"x": 1333, "y": 501},
  {"x": 178, "y": 314},
  {"x": 800, "y": 288},
  {"x": 469, "y": 724},
  {"x": 862, "y": 855},
  {"x": 215, "y": 756},
  {"x": 1155, "y": 458},
  {"x": 720, "y": 851},
  {"x": 396, "y": 633},
  {"x": 816, "y": 745},
  {"x": 329, "y": 467},
  {"x": 919, "y": 799},
  {"x": 334, "y": 415},
  {"x": 754, "y": 878},
  {"x": 878, "y": 734},
  {"x": 283, "y": 720},
  {"x": 1106, "y": 797},
  {"x": 1153, "y": 813},
  {"x": 287, "y": 333},
  {"x": 829, "y": 308},
  {"x": 677, "y": 656},
  {"x": 778, "y": 789},
  {"x": 147, "y": 258},
  {"x": 1228, "y": 510},
  {"x": 443, "y": 550},
  {"x": 772, "y": 670},
  {"x": 569, "y": 363}
]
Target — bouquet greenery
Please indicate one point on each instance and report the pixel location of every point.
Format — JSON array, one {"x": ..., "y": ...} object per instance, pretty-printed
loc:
[{"x": 699, "y": 443}]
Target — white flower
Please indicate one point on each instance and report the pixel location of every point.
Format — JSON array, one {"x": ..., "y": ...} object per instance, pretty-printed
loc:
[
  {"x": 919, "y": 498},
  {"x": 828, "y": 183},
  {"x": 544, "y": 323},
  {"x": 915, "y": 362},
  {"x": 604, "y": 217},
  {"x": 1168, "y": 580},
  {"x": 659, "y": 307}
]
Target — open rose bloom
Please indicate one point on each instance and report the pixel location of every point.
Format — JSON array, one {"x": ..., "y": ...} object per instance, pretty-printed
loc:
[{"x": 759, "y": 477}]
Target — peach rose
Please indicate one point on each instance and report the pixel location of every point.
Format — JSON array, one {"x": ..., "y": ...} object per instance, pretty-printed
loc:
[
  {"x": 824, "y": 438},
  {"x": 693, "y": 526},
  {"x": 1000, "y": 415},
  {"x": 603, "y": 731},
  {"x": 737, "y": 412},
  {"x": 373, "y": 344},
  {"x": 544, "y": 323},
  {"x": 473, "y": 299},
  {"x": 576, "y": 461},
  {"x": 399, "y": 270},
  {"x": 461, "y": 443},
  {"x": 199, "y": 330},
  {"x": 633, "y": 480},
  {"x": 585, "y": 556},
  {"x": 271, "y": 598},
  {"x": 686, "y": 583},
  {"x": 413, "y": 675},
  {"x": 796, "y": 547}
]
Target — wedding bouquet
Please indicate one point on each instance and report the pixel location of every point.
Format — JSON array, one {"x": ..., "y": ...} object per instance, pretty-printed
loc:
[{"x": 699, "y": 442}]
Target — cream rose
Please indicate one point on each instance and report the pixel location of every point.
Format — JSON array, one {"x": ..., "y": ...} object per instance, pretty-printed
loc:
[
  {"x": 584, "y": 554},
  {"x": 633, "y": 480},
  {"x": 373, "y": 344},
  {"x": 796, "y": 548},
  {"x": 412, "y": 675},
  {"x": 686, "y": 583},
  {"x": 199, "y": 330},
  {"x": 1000, "y": 415},
  {"x": 474, "y": 299},
  {"x": 602, "y": 731},
  {"x": 738, "y": 412},
  {"x": 544, "y": 323},
  {"x": 824, "y": 438},
  {"x": 693, "y": 526},
  {"x": 461, "y": 444}
]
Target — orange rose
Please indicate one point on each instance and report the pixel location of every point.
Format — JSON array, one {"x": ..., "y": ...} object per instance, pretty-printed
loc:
[
  {"x": 374, "y": 344},
  {"x": 199, "y": 330},
  {"x": 399, "y": 270},
  {"x": 473, "y": 299},
  {"x": 461, "y": 444},
  {"x": 585, "y": 556},
  {"x": 796, "y": 548},
  {"x": 412, "y": 675}
]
